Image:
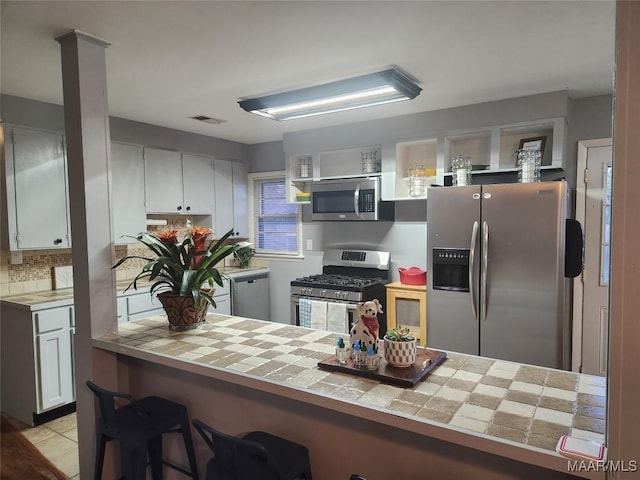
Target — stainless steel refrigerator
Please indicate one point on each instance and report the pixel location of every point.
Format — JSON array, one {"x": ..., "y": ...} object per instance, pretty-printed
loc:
[{"x": 496, "y": 272}]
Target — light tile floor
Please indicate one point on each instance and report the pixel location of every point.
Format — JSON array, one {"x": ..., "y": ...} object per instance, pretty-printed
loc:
[{"x": 57, "y": 440}]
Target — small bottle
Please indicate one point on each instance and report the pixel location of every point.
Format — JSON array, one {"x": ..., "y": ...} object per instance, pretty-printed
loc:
[
  {"x": 461, "y": 168},
  {"x": 341, "y": 351},
  {"x": 373, "y": 359},
  {"x": 529, "y": 161}
]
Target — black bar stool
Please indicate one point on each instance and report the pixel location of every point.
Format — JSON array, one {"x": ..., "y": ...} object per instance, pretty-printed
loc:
[
  {"x": 138, "y": 427},
  {"x": 257, "y": 455}
]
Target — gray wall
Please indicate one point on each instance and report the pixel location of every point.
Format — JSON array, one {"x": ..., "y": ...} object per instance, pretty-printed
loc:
[
  {"x": 406, "y": 237},
  {"x": 31, "y": 113}
]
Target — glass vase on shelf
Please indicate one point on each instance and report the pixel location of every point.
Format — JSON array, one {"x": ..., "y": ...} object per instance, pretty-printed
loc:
[
  {"x": 417, "y": 181},
  {"x": 461, "y": 168},
  {"x": 529, "y": 161},
  {"x": 305, "y": 167}
]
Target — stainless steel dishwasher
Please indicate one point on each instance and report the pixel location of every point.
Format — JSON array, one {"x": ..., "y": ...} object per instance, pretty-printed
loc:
[{"x": 250, "y": 295}]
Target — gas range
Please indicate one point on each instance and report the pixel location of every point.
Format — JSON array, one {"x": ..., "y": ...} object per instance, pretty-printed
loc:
[{"x": 347, "y": 275}]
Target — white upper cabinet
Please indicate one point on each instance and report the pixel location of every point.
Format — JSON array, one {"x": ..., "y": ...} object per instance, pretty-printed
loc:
[
  {"x": 198, "y": 184},
  {"x": 303, "y": 168},
  {"x": 493, "y": 149},
  {"x": 223, "y": 218},
  {"x": 162, "y": 181},
  {"x": 178, "y": 183},
  {"x": 240, "y": 207},
  {"x": 127, "y": 191},
  {"x": 36, "y": 189}
]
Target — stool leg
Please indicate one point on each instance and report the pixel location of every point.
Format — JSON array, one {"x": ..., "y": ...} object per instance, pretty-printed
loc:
[
  {"x": 100, "y": 444},
  {"x": 155, "y": 457},
  {"x": 185, "y": 426},
  {"x": 134, "y": 461}
]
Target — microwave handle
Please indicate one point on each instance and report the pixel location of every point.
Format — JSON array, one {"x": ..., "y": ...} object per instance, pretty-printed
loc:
[{"x": 356, "y": 200}]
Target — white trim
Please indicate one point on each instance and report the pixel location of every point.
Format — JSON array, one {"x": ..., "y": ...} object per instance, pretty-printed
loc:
[
  {"x": 578, "y": 288},
  {"x": 252, "y": 177}
]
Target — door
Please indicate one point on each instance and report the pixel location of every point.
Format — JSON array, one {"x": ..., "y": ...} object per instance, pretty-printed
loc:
[
  {"x": 55, "y": 371},
  {"x": 223, "y": 220},
  {"x": 40, "y": 189},
  {"x": 127, "y": 191},
  {"x": 198, "y": 181},
  {"x": 522, "y": 299},
  {"x": 162, "y": 181},
  {"x": 452, "y": 214},
  {"x": 595, "y": 200}
]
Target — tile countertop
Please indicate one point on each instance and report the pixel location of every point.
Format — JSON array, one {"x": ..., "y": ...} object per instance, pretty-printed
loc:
[
  {"x": 484, "y": 403},
  {"x": 64, "y": 296}
]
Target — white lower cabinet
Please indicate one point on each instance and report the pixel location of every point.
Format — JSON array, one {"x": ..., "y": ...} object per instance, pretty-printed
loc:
[
  {"x": 36, "y": 360},
  {"x": 55, "y": 369}
]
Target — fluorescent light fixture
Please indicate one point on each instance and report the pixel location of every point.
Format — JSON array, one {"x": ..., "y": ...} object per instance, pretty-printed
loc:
[{"x": 373, "y": 89}]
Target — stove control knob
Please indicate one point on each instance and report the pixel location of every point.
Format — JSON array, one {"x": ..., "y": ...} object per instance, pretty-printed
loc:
[
  {"x": 309, "y": 291},
  {"x": 323, "y": 292},
  {"x": 336, "y": 294},
  {"x": 344, "y": 295}
]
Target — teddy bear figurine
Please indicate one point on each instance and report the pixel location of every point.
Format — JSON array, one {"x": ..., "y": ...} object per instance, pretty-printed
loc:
[{"x": 365, "y": 331}]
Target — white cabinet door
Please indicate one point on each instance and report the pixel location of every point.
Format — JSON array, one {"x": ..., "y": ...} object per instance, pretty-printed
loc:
[
  {"x": 40, "y": 183},
  {"x": 198, "y": 179},
  {"x": 223, "y": 305},
  {"x": 223, "y": 220},
  {"x": 55, "y": 371},
  {"x": 127, "y": 191},
  {"x": 240, "y": 207},
  {"x": 162, "y": 181}
]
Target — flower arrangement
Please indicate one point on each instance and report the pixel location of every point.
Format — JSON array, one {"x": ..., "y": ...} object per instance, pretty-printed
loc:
[{"x": 183, "y": 267}]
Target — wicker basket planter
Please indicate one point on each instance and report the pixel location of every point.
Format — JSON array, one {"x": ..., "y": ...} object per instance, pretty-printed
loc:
[{"x": 182, "y": 312}]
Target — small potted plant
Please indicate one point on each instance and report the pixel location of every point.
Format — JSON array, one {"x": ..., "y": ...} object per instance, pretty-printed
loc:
[
  {"x": 181, "y": 271},
  {"x": 400, "y": 347},
  {"x": 243, "y": 255}
]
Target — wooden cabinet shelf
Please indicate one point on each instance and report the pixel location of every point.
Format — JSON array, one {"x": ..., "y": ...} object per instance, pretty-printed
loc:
[{"x": 407, "y": 307}]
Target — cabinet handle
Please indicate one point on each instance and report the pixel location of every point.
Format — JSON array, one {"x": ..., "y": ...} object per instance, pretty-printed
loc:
[
  {"x": 188, "y": 208},
  {"x": 57, "y": 241},
  {"x": 179, "y": 207}
]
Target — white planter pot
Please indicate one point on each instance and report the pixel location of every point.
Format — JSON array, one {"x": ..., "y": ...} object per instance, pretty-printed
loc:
[{"x": 400, "y": 354}]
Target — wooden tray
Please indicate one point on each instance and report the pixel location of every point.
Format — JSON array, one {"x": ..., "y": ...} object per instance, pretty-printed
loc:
[{"x": 402, "y": 377}]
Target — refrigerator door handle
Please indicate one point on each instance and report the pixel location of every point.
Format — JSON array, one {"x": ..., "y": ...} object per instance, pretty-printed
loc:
[
  {"x": 472, "y": 256},
  {"x": 485, "y": 263}
]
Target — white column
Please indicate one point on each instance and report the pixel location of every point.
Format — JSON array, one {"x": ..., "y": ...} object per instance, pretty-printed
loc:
[{"x": 88, "y": 156}]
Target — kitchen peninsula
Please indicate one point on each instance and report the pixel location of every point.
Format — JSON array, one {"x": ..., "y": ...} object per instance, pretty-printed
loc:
[{"x": 472, "y": 417}]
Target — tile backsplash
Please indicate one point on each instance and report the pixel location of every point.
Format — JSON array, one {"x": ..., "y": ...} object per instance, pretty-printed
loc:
[{"x": 35, "y": 272}]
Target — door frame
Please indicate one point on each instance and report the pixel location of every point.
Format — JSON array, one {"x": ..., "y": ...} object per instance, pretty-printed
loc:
[{"x": 578, "y": 285}]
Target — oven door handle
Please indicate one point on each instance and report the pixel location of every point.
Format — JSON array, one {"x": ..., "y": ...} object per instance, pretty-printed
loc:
[{"x": 356, "y": 200}]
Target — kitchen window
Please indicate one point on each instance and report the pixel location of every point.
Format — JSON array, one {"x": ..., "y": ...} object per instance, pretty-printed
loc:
[{"x": 275, "y": 223}]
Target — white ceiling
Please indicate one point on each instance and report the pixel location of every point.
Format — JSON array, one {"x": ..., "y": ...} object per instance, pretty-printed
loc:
[{"x": 170, "y": 60}]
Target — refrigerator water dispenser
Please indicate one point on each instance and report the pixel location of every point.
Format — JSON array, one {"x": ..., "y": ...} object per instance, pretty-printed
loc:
[{"x": 451, "y": 269}]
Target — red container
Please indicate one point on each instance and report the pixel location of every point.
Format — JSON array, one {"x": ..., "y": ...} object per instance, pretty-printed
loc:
[{"x": 412, "y": 276}]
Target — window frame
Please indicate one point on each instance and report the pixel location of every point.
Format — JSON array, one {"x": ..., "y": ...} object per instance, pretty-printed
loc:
[{"x": 261, "y": 176}]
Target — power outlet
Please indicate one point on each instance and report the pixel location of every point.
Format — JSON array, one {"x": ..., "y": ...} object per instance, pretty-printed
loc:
[
  {"x": 309, "y": 244},
  {"x": 15, "y": 257}
]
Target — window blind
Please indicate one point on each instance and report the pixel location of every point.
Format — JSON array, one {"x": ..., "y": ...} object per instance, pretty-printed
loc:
[{"x": 276, "y": 221}]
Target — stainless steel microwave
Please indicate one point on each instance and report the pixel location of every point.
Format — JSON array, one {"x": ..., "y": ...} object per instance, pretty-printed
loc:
[{"x": 355, "y": 199}]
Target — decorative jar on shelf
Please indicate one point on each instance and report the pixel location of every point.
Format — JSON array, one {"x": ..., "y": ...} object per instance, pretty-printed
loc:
[
  {"x": 417, "y": 181},
  {"x": 529, "y": 161},
  {"x": 461, "y": 168},
  {"x": 305, "y": 167}
]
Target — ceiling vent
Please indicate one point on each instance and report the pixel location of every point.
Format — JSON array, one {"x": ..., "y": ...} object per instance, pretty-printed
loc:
[{"x": 212, "y": 121}]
